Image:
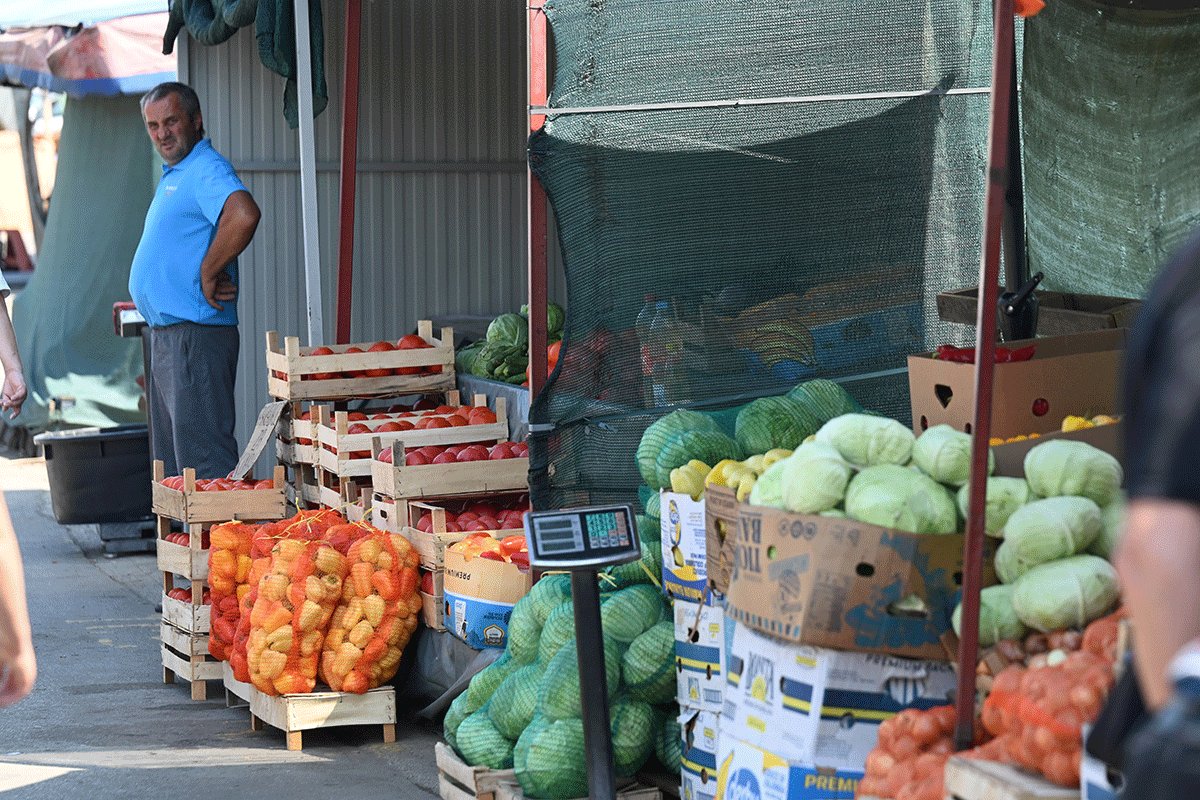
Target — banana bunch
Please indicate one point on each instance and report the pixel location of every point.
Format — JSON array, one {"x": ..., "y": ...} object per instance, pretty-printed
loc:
[
  {"x": 689, "y": 479},
  {"x": 742, "y": 475}
]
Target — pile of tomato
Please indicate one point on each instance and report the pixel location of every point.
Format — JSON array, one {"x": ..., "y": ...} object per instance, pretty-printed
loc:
[
  {"x": 410, "y": 342},
  {"x": 185, "y": 540},
  {"x": 459, "y": 453},
  {"x": 185, "y": 595},
  {"x": 218, "y": 484}
]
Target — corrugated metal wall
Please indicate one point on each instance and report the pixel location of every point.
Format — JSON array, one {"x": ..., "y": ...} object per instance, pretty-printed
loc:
[{"x": 440, "y": 226}]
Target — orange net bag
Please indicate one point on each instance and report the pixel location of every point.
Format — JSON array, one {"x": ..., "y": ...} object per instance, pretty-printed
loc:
[
  {"x": 376, "y": 616},
  {"x": 909, "y": 761},
  {"x": 228, "y": 571}
]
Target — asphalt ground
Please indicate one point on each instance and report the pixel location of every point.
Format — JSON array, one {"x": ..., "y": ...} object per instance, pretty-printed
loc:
[{"x": 101, "y": 724}]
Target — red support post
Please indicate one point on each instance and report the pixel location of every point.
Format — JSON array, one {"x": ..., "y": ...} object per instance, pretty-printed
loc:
[
  {"x": 349, "y": 168},
  {"x": 538, "y": 220},
  {"x": 985, "y": 362}
]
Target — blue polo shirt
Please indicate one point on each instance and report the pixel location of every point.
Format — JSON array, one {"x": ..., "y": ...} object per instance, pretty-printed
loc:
[{"x": 164, "y": 280}]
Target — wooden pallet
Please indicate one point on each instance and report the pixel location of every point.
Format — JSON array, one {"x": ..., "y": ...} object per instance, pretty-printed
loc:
[
  {"x": 237, "y": 693},
  {"x": 445, "y": 480},
  {"x": 295, "y": 713},
  {"x": 459, "y": 781},
  {"x": 185, "y": 656},
  {"x": 971, "y": 779},
  {"x": 193, "y": 507},
  {"x": 290, "y": 368}
]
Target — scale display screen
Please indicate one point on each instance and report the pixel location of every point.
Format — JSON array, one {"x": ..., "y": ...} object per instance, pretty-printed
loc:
[{"x": 598, "y": 537}]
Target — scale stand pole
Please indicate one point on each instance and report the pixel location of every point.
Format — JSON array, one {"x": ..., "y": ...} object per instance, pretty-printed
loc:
[{"x": 593, "y": 685}]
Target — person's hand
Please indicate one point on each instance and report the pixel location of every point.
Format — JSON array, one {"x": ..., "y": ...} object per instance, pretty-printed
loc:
[
  {"x": 14, "y": 392},
  {"x": 220, "y": 289},
  {"x": 17, "y": 677}
]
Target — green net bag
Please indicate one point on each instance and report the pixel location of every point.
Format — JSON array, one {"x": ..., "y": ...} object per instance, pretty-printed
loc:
[
  {"x": 458, "y": 711},
  {"x": 524, "y": 632},
  {"x": 484, "y": 683},
  {"x": 560, "y": 696},
  {"x": 550, "y": 760},
  {"x": 648, "y": 666},
  {"x": 558, "y": 630},
  {"x": 634, "y": 726},
  {"x": 631, "y": 612},
  {"x": 668, "y": 743},
  {"x": 515, "y": 701},
  {"x": 481, "y": 745}
]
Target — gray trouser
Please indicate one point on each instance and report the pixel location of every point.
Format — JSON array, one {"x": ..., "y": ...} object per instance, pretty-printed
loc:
[{"x": 191, "y": 397}]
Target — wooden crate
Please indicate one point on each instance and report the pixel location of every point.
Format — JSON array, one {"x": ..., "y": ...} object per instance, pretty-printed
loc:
[
  {"x": 459, "y": 781},
  {"x": 340, "y": 493},
  {"x": 446, "y": 480},
  {"x": 431, "y": 545},
  {"x": 189, "y": 562},
  {"x": 295, "y": 713},
  {"x": 433, "y": 611},
  {"x": 971, "y": 779},
  {"x": 237, "y": 693},
  {"x": 191, "y": 506},
  {"x": 383, "y": 514},
  {"x": 295, "y": 437},
  {"x": 193, "y": 617},
  {"x": 290, "y": 367},
  {"x": 632, "y": 791},
  {"x": 185, "y": 656},
  {"x": 335, "y": 446}
]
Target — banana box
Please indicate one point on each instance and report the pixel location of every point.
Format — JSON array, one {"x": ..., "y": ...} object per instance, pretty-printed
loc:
[
  {"x": 746, "y": 772},
  {"x": 821, "y": 707},
  {"x": 699, "y": 655},
  {"x": 478, "y": 598},
  {"x": 700, "y": 731},
  {"x": 684, "y": 547}
]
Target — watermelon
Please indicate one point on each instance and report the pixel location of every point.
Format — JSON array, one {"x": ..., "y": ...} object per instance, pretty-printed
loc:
[
  {"x": 774, "y": 422},
  {"x": 660, "y": 432},
  {"x": 824, "y": 399},
  {"x": 707, "y": 446}
]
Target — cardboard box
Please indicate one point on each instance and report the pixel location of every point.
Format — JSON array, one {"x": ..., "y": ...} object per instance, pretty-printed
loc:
[
  {"x": 720, "y": 516},
  {"x": 836, "y": 583},
  {"x": 1010, "y": 458},
  {"x": 479, "y": 597},
  {"x": 684, "y": 548},
  {"x": 1075, "y": 374},
  {"x": 821, "y": 707},
  {"x": 745, "y": 771},
  {"x": 699, "y": 655},
  {"x": 701, "y": 731}
]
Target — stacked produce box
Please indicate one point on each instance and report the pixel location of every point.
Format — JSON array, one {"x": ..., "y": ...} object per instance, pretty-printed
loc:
[{"x": 183, "y": 557}]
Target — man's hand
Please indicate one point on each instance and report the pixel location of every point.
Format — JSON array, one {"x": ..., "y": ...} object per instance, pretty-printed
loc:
[
  {"x": 17, "y": 677},
  {"x": 13, "y": 393},
  {"x": 218, "y": 290}
]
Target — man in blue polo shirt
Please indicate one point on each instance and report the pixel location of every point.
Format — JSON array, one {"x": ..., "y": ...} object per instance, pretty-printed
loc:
[{"x": 184, "y": 281}]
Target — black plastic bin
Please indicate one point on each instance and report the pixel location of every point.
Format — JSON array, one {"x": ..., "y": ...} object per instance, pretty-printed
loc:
[{"x": 98, "y": 474}]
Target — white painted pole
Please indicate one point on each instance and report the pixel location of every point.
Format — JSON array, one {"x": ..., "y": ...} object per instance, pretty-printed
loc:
[{"x": 308, "y": 178}]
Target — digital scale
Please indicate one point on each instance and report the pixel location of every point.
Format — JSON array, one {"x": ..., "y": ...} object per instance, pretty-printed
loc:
[{"x": 584, "y": 541}]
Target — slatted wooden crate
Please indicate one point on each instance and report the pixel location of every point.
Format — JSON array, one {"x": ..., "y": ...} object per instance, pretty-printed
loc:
[
  {"x": 445, "y": 480},
  {"x": 294, "y": 373},
  {"x": 459, "y": 781},
  {"x": 192, "y": 506},
  {"x": 237, "y": 693},
  {"x": 185, "y": 656},
  {"x": 194, "y": 617},
  {"x": 296, "y": 436},
  {"x": 295, "y": 713},
  {"x": 348, "y": 454},
  {"x": 190, "y": 561},
  {"x": 971, "y": 779}
]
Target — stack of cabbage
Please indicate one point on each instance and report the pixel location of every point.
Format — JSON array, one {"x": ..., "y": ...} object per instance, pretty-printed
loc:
[
  {"x": 689, "y": 444},
  {"x": 1059, "y": 526},
  {"x": 523, "y": 712}
]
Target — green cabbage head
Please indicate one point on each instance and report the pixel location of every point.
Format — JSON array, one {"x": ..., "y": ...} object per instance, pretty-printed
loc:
[
  {"x": 814, "y": 479},
  {"x": 1004, "y": 496},
  {"x": 944, "y": 454},
  {"x": 1064, "y": 467},
  {"x": 1113, "y": 516},
  {"x": 768, "y": 489},
  {"x": 1050, "y": 529},
  {"x": 997, "y": 619},
  {"x": 866, "y": 441},
  {"x": 1068, "y": 593},
  {"x": 902, "y": 499},
  {"x": 1008, "y": 567}
]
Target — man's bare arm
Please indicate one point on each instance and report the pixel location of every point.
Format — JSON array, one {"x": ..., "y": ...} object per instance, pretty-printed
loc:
[
  {"x": 1159, "y": 563},
  {"x": 239, "y": 219}
]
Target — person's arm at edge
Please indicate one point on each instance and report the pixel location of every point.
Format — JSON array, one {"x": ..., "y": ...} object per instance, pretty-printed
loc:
[
  {"x": 1158, "y": 560},
  {"x": 239, "y": 220},
  {"x": 18, "y": 665},
  {"x": 14, "y": 390}
]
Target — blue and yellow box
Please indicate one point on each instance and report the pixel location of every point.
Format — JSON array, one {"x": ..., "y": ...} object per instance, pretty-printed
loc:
[
  {"x": 699, "y": 655},
  {"x": 701, "y": 732},
  {"x": 479, "y": 595},
  {"x": 684, "y": 547},
  {"x": 746, "y": 772},
  {"x": 821, "y": 707}
]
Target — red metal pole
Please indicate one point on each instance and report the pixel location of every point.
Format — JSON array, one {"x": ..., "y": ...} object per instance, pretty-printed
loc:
[
  {"x": 538, "y": 220},
  {"x": 985, "y": 361},
  {"x": 349, "y": 168}
]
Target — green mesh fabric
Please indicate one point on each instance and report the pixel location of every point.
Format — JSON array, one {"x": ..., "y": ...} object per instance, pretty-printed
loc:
[
  {"x": 792, "y": 240},
  {"x": 1110, "y": 104}
]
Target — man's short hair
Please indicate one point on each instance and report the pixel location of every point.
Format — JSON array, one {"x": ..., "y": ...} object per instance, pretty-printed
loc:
[{"x": 186, "y": 94}]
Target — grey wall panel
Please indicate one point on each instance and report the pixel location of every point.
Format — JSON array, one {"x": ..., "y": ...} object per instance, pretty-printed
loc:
[{"x": 440, "y": 211}]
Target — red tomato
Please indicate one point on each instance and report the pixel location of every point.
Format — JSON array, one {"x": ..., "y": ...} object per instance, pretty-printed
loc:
[
  {"x": 438, "y": 422},
  {"x": 386, "y": 455},
  {"x": 404, "y": 425},
  {"x": 322, "y": 376},
  {"x": 480, "y": 509},
  {"x": 481, "y": 416},
  {"x": 379, "y": 347},
  {"x": 468, "y": 516},
  {"x": 446, "y": 458},
  {"x": 512, "y": 544},
  {"x": 458, "y": 421},
  {"x": 452, "y": 527},
  {"x": 356, "y": 416},
  {"x": 473, "y": 453},
  {"x": 381, "y": 415},
  {"x": 265, "y": 484},
  {"x": 454, "y": 449},
  {"x": 412, "y": 342},
  {"x": 520, "y": 450},
  {"x": 431, "y": 450},
  {"x": 492, "y": 555},
  {"x": 500, "y": 451},
  {"x": 489, "y": 523},
  {"x": 415, "y": 459},
  {"x": 389, "y": 427},
  {"x": 360, "y": 454},
  {"x": 357, "y": 428},
  {"x": 425, "y": 523},
  {"x": 427, "y": 582},
  {"x": 521, "y": 559}
]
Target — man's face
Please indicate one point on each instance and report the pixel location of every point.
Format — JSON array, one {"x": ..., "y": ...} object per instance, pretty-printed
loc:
[{"x": 173, "y": 133}]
